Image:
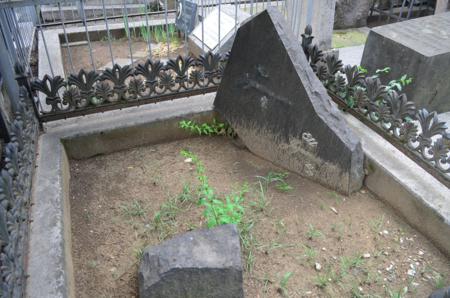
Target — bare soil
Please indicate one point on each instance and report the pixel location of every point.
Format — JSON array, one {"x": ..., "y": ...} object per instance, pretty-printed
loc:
[
  {"x": 81, "y": 57},
  {"x": 306, "y": 242}
]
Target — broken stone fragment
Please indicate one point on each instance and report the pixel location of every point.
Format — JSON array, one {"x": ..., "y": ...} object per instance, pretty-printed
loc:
[{"x": 203, "y": 263}]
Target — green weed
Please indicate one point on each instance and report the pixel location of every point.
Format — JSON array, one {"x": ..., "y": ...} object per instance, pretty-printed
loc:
[
  {"x": 134, "y": 209},
  {"x": 215, "y": 128},
  {"x": 217, "y": 211},
  {"x": 282, "y": 289},
  {"x": 313, "y": 233}
]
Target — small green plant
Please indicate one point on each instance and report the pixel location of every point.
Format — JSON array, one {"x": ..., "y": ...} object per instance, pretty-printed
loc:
[
  {"x": 262, "y": 202},
  {"x": 401, "y": 293},
  {"x": 313, "y": 233},
  {"x": 186, "y": 194},
  {"x": 321, "y": 281},
  {"x": 310, "y": 254},
  {"x": 282, "y": 289},
  {"x": 208, "y": 129},
  {"x": 139, "y": 254},
  {"x": 376, "y": 224},
  {"x": 134, "y": 209},
  {"x": 348, "y": 263},
  {"x": 439, "y": 281},
  {"x": 217, "y": 211},
  {"x": 279, "y": 179}
]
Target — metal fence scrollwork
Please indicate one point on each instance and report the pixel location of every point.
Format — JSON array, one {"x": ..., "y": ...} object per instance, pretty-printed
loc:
[
  {"x": 416, "y": 132},
  {"x": 123, "y": 86},
  {"x": 15, "y": 194}
]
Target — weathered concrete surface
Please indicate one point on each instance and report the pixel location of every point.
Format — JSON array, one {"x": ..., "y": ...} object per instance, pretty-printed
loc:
[
  {"x": 49, "y": 261},
  {"x": 281, "y": 111},
  {"x": 203, "y": 263},
  {"x": 419, "y": 48},
  {"x": 414, "y": 193},
  {"x": 351, "y": 13}
]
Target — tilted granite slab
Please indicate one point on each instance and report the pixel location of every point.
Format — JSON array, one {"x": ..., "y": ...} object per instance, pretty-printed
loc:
[{"x": 281, "y": 111}]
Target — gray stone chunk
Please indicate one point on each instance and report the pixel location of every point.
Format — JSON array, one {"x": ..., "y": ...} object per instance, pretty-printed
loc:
[
  {"x": 441, "y": 293},
  {"x": 419, "y": 48},
  {"x": 198, "y": 264},
  {"x": 281, "y": 111},
  {"x": 351, "y": 13}
]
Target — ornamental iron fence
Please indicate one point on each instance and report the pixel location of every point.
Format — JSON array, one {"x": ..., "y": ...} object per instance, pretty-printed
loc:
[
  {"x": 418, "y": 133},
  {"x": 15, "y": 196}
]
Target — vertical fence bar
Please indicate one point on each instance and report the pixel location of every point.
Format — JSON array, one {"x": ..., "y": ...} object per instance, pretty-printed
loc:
[
  {"x": 108, "y": 32},
  {"x": 220, "y": 4},
  {"x": 203, "y": 27},
  {"x": 127, "y": 28},
  {"x": 87, "y": 34},
  {"x": 148, "y": 31},
  {"x": 310, "y": 11},
  {"x": 235, "y": 16},
  {"x": 167, "y": 27},
  {"x": 43, "y": 40},
  {"x": 17, "y": 36},
  {"x": 66, "y": 38}
]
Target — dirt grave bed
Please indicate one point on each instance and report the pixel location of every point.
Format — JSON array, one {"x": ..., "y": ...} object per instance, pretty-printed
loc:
[
  {"x": 306, "y": 241},
  {"x": 81, "y": 58}
]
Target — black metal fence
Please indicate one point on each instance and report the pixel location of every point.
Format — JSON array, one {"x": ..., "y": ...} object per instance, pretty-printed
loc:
[
  {"x": 418, "y": 133},
  {"x": 16, "y": 173}
]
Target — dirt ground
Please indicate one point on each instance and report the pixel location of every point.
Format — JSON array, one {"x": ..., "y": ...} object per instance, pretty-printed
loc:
[
  {"x": 304, "y": 242},
  {"x": 100, "y": 51}
]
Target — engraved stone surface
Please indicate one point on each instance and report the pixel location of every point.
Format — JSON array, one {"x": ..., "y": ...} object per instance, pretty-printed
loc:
[
  {"x": 203, "y": 263},
  {"x": 281, "y": 111},
  {"x": 419, "y": 48}
]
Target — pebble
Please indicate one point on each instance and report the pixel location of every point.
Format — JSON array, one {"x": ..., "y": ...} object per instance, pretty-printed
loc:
[
  {"x": 421, "y": 253},
  {"x": 366, "y": 255},
  {"x": 334, "y": 210},
  {"x": 318, "y": 266},
  {"x": 411, "y": 272},
  {"x": 390, "y": 267},
  {"x": 324, "y": 249},
  {"x": 188, "y": 160},
  {"x": 385, "y": 232}
]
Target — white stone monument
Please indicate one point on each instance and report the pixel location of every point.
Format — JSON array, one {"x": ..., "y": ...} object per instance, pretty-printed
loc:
[{"x": 205, "y": 37}]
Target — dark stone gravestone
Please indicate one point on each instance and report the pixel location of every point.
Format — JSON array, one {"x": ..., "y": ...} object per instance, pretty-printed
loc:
[
  {"x": 419, "y": 48},
  {"x": 186, "y": 16},
  {"x": 204, "y": 263},
  {"x": 281, "y": 111}
]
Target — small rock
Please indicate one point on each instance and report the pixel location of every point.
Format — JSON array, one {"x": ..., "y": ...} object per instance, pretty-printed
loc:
[
  {"x": 334, "y": 210},
  {"x": 385, "y": 232},
  {"x": 308, "y": 292},
  {"x": 366, "y": 255},
  {"x": 318, "y": 266},
  {"x": 421, "y": 253},
  {"x": 188, "y": 160},
  {"x": 324, "y": 249},
  {"x": 411, "y": 272},
  {"x": 389, "y": 268}
]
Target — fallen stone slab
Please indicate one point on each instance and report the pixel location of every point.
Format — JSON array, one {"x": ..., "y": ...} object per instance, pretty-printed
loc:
[
  {"x": 204, "y": 263},
  {"x": 419, "y": 48},
  {"x": 281, "y": 111}
]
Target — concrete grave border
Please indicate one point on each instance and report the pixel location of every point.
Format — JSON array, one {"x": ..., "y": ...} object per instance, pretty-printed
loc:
[{"x": 417, "y": 196}]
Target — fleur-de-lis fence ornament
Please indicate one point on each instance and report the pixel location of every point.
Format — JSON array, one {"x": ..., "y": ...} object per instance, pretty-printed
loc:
[
  {"x": 417, "y": 132},
  {"x": 151, "y": 81}
]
